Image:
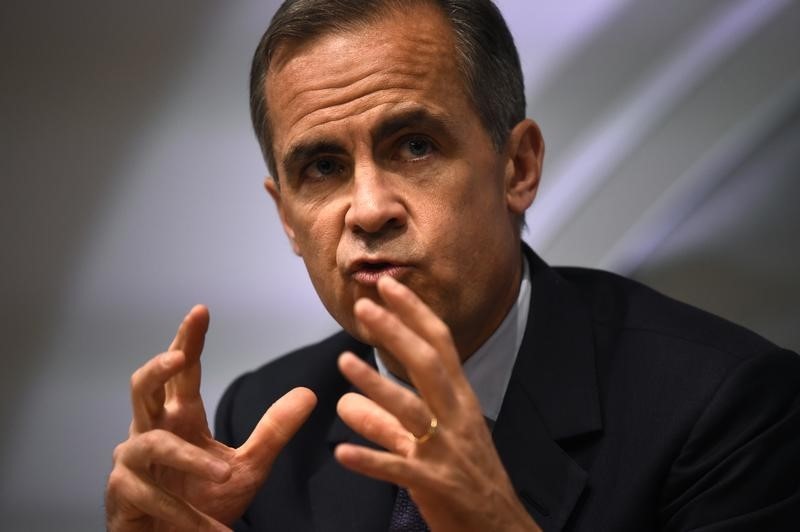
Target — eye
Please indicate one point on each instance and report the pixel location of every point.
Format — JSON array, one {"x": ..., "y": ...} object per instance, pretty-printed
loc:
[
  {"x": 322, "y": 169},
  {"x": 415, "y": 148}
]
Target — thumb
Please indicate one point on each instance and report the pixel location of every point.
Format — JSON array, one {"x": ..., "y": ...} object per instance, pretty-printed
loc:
[{"x": 277, "y": 426}]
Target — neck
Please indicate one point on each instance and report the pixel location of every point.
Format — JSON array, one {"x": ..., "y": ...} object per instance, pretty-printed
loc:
[{"x": 467, "y": 342}]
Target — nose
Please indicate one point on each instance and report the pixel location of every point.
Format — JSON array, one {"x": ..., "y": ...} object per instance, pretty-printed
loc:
[{"x": 375, "y": 205}]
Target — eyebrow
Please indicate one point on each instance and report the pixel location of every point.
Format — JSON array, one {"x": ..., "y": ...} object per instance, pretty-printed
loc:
[
  {"x": 413, "y": 119},
  {"x": 305, "y": 151}
]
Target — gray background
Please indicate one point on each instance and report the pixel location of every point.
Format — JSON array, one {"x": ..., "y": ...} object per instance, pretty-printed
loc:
[{"x": 131, "y": 189}]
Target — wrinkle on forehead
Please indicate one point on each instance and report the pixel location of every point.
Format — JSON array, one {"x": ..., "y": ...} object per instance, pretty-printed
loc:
[
  {"x": 334, "y": 92},
  {"x": 339, "y": 91},
  {"x": 345, "y": 74},
  {"x": 362, "y": 59},
  {"x": 353, "y": 107},
  {"x": 333, "y": 118}
]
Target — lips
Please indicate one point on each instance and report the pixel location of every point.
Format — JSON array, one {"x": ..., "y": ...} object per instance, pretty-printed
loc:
[{"x": 369, "y": 271}]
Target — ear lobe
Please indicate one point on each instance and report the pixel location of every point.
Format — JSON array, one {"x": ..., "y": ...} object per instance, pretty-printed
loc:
[
  {"x": 273, "y": 190},
  {"x": 524, "y": 168}
]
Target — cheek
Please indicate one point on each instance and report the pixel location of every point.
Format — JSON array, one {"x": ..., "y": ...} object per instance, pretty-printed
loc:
[
  {"x": 468, "y": 204},
  {"x": 317, "y": 231}
]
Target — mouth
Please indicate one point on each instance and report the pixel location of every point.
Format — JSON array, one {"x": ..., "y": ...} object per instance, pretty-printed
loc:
[{"x": 367, "y": 272}]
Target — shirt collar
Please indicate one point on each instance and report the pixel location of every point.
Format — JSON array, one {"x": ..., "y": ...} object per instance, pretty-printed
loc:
[{"x": 489, "y": 369}]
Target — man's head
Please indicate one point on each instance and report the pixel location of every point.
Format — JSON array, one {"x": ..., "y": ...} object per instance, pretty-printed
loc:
[
  {"x": 486, "y": 56},
  {"x": 383, "y": 163}
]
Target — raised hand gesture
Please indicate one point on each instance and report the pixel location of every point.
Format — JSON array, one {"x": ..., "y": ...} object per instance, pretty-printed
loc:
[
  {"x": 170, "y": 474},
  {"x": 437, "y": 444}
]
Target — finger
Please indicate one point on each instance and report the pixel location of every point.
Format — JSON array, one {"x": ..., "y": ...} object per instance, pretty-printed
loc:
[
  {"x": 147, "y": 388},
  {"x": 189, "y": 339},
  {"x": 163, "y": 448},
  {"x": 380, "y": 465},
  {"x": 127, "y": 489},
  {"x": 421, "y": 361},
  {"x": 277, "y": 426},
  {"x": 374, "y": 423},
  {"x": 400, "y": 402},
  {"x": 421, "y": 319}
]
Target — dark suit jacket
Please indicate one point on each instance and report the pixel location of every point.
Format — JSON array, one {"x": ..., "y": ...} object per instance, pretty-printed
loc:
[{"x": 626, "y": 411}]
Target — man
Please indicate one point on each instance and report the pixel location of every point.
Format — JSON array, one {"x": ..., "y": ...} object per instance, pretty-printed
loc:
[{"x": 477, "y": 388}]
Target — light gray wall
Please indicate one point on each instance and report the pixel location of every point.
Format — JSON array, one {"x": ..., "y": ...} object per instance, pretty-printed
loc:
[{"x": 131, "y": 189}]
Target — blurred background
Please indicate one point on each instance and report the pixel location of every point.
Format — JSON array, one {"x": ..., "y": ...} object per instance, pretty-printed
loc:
[{"x": 131, "y": 190}]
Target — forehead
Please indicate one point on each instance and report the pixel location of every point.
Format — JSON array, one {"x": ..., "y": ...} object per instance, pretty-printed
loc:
[{"x": 401, "y": 58}]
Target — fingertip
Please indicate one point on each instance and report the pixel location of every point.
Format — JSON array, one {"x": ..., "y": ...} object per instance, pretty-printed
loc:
[
  {"x": 346, "y": 360},
  {"x": 199, "y": 312},
  {"x": 389, "y": 285},
  {"x": 366, "y": 308},
  {"x": 385, "y": 281},
  {"x": 345, "y": 453},
  {"x": 347, "y": 402},
  {"x": 300, "y": 401},
  {"x": 304, "y": 394},
  {"x": 360, "y": 304},
  {"x": 342, "y": 401}
]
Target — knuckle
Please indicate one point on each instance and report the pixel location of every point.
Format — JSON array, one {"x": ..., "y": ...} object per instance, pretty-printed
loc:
[
  {"x": 136, "y": 380},
  {"x": 428, "y": 357},
  {"x": 151, "y": 441},
  {"x": 157, "y": 439},
  {"x": 139, "y": 378},
  {"x": 112, "y": 485},
  {"x": 116, "y": 482},
  {"x": 147, "y": 440},
  {"x": 119, "y": 452},
  {"x": 145, "y": 373}
]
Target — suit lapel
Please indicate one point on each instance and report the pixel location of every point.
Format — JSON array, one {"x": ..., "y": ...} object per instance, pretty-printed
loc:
[
  {"x": 342, "y": 501},
  {"x": 552, "y": 396}
]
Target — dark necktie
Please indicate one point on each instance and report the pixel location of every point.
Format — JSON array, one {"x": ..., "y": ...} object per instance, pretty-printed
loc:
[{"x": 406, "y": 516}]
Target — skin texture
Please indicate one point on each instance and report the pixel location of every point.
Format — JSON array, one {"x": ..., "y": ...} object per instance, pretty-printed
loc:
[
  {"x": 456, "y": 477},
  {"x": 381, "y": 157},
  {"x": 170, "y": 474}
]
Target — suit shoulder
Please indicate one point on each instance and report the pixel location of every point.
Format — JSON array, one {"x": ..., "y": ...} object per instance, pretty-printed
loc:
[
  {"x": 625, "y": 305},
  {"x": 313, "y": 366},
  {"x": 305, "y": 366}
]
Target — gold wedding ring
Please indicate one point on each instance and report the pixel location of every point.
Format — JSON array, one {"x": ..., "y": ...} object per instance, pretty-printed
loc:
[{"x": 432, "y": 428}]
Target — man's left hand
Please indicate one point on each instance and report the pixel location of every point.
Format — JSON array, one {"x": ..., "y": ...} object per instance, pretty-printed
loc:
[{"x": 449, "y": 466}]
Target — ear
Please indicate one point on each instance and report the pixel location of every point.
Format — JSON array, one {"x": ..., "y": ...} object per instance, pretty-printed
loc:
[
  {"x": 524, "y": 166},
  {"x": 275, "y": 192}
]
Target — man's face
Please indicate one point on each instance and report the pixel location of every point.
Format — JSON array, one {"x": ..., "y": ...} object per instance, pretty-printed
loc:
[{"x": 385, "y": 169}]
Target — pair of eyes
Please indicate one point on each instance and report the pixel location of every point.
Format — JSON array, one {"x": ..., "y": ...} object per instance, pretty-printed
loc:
[{"x": 409, "y": 150}]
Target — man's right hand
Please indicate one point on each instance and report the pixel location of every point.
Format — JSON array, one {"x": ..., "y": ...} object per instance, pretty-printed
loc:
[{"x": 170, "y": 474}]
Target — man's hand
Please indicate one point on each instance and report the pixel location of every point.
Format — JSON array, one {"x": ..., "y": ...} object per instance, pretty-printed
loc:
[
  {"x": 170, "y": 474},
  {"x": 455, "y": 477}
]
